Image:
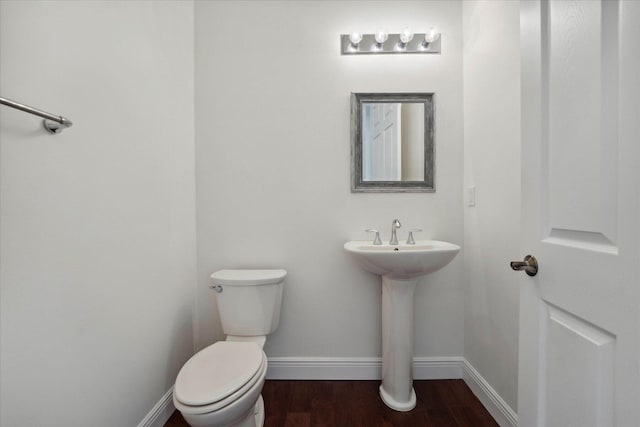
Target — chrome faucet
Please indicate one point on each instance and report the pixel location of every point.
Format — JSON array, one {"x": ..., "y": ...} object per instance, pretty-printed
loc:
[{"x": 394, "y": 226}]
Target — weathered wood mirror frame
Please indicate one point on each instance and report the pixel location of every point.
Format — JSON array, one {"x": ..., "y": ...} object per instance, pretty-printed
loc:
[{"x": 358, "y": 184}]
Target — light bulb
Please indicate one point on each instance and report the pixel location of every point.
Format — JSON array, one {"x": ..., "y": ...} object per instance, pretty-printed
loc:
[
  {"x": 432, "y": 35},
  {"x": 381, "y": 36},
  {"x": 406, "y": 36},
  {"x": 355, "y": 38}
]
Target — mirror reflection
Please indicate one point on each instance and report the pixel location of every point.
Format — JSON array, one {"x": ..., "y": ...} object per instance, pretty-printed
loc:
[{"x": 392, "y": 142}]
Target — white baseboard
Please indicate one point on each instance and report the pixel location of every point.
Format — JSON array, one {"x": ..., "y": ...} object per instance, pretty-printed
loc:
[
  {"x": 161, "y": 412},
  {"x": 490, "y": 399},
  {"x": 324, "y": 368},
  {"x": 437, "y": 368},
  {"x": 358, "y": 368}
]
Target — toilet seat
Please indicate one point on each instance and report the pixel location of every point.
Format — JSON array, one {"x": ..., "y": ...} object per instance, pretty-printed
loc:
[
  {"x": 218, "y": 375},
  {"x": 248, "y": 277}
]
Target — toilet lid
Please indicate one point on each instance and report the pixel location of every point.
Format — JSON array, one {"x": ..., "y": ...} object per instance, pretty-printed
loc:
[{"x": 217, "y": 371}]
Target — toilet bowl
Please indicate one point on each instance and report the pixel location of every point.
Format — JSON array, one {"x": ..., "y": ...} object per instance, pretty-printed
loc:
[{"x": 221, "y": 384}]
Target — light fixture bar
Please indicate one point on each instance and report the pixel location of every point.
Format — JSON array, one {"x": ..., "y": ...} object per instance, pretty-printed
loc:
[{"x": 393, "y": 44}]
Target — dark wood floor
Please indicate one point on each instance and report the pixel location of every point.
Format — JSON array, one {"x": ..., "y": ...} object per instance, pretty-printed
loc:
[{"x": 441, "y": 403}]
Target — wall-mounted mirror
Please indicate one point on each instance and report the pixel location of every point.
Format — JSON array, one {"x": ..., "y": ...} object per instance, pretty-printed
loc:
[{"x": 392, "y": 142}]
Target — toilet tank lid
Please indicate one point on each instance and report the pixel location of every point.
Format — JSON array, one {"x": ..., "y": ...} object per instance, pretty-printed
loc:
[{"x": 248, "y": 277}]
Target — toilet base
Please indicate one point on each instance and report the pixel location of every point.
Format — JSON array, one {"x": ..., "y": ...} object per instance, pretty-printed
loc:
[
  {"x": 254, "y": 418},
  {"x": 259, "y": 412}
]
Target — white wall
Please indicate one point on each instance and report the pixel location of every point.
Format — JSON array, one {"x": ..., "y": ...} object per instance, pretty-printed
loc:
[
  {"x": 97, "y": 223},
  {"x": 273, "y": 189},
  {"x": 492, "y": 164}
]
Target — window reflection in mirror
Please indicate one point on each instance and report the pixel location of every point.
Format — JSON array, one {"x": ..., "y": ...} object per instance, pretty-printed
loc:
[{"x": 392, "y": 142}]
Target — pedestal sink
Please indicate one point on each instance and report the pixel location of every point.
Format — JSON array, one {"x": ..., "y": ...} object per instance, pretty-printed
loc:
[{"x": 400, "y": 267}]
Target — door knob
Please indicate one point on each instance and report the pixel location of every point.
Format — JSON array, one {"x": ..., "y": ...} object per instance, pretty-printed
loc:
[{"x": 529, "y": 265}]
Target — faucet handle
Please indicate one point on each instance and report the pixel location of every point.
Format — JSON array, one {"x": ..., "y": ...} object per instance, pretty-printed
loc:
[
  {"x": 376, "y": 240},
  {"x": 410, "y": 240}
]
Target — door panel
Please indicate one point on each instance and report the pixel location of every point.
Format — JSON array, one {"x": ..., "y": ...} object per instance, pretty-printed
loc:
[
  {"x": 580, "y": 102},
  {"x": 578, "y": 356},
  {"x": 579, "y": 361},
  {"x": 384, "y": 154}
]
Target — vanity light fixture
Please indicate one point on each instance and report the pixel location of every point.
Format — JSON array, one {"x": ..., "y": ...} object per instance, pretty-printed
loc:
[
  {"x": 380, "y": 37},
  {"x": 431, "y": 36},
  {"x": 405, "y": 37},
  {"x": 355, "y": 39},
  {"x": 382, "y": 42}
]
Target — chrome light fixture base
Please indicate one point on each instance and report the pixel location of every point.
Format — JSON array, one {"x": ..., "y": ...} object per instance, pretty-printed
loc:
[{"x": 369, "y": 46}]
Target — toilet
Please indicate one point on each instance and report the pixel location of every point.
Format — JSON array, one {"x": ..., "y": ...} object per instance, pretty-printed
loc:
[{"x": 221, "y": 384}]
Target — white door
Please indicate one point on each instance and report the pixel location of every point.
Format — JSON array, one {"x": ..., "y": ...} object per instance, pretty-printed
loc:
[
  {"x": 579, "y": 316},
  {"x": 384, "y": 155}
]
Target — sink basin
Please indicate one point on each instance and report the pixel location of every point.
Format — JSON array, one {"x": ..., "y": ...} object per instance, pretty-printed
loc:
[{"x": 402, "y": 261}]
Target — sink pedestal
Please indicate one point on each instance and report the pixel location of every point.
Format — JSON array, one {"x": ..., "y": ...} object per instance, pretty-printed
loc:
[{"x": 396, "y": 390}]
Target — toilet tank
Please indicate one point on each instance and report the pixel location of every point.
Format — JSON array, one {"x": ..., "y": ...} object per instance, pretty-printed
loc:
[{"x": 249, "y": 300}]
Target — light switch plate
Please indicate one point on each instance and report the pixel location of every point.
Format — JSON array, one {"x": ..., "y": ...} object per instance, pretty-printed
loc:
[{"x": 471, "y": 196}]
